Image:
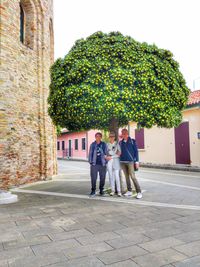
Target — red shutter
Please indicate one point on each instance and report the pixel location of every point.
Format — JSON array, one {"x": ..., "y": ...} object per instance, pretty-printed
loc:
[{"x": 139, "y": 137}]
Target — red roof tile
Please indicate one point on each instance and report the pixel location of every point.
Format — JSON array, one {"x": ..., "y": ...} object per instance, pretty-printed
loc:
[{"x": 194, "y": 98}]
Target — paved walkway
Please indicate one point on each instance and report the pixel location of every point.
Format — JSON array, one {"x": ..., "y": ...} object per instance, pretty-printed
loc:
[{"x": 56, "y": 224}]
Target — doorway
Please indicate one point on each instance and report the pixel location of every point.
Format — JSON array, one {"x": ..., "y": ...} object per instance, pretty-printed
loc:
[{"x": 182, "y": 143}]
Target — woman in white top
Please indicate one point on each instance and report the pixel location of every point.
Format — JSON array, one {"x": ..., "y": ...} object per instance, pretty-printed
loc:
[{"x": 113, "y": 165}]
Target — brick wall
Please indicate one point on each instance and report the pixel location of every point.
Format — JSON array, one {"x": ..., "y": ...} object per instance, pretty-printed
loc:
[{"x": 27, "y": 136}]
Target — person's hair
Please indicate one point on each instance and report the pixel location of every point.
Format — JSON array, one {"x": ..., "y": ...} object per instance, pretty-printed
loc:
[
  {"x": 112, "y": 134},
  {"x": 98, "y": 133},
  {"x": 125, "y": 130}
]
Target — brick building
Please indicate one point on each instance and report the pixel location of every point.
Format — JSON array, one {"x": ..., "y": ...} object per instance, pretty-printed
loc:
[{"x": 27, "y": 136}]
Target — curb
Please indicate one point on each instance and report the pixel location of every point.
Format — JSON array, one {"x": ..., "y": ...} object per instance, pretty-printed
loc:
[{"x": 151, "y": 165}]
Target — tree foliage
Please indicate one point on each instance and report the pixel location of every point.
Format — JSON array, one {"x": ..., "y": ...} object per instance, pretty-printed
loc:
[{"x": 110, "y": 76}]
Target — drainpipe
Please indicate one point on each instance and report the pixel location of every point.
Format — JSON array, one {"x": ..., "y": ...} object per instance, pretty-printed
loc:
[{"x": 86, "y": 145}]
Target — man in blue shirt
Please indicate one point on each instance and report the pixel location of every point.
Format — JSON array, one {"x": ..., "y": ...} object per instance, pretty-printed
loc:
[
  {"x": 97, "y": 160},
  {"x": 129, "y": 157}
]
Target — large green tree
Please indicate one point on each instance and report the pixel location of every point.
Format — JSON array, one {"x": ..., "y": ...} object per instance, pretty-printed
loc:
[{"x": 107, "y": 80}]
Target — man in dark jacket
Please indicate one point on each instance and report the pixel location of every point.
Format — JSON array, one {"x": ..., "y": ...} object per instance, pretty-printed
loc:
[
  {"x": 129, "y": 157},
  {"x": 97, "y": 160}
]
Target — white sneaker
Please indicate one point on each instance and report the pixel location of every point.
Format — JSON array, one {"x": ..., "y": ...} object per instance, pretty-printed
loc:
[
  {"x": 128, "y": 194},
  {"x": 119, "y": 194},
  {"x": 139, "y": 195},
  {"x": 112, "y": 193}
]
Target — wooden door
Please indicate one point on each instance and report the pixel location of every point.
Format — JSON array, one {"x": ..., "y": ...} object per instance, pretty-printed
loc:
[{"x": 182, "y": 143}]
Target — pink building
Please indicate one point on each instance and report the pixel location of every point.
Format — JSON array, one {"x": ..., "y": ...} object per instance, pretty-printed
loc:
[{"x": 75, "y": 144}]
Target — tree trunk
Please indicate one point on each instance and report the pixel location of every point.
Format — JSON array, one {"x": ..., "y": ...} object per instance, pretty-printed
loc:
[{"x": 114, "y": 127}]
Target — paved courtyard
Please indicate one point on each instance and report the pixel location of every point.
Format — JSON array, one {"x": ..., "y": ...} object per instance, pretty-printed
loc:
[{"x": 56, "y": 224}]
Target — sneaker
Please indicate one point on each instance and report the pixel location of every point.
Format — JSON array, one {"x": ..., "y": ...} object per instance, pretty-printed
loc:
[
  {"x": 139, "y": 195},
  {"x": 119, "y": 194},
  {"x": 101, "y": 193},
  {"x": 128, "y": 194},
  {"x": 112, "y": 193},
  {"x": 92, "y": 194}
]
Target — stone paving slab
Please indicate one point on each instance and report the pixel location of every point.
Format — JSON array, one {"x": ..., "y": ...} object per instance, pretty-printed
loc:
[
  {"x": 121, "y": 254},
  {"x": 57, "y": 246},
  {"x": 128, "y": 240},
  {"x": 96, "y": 238},
  {"x": 16, "y": 253},
  {"x": 191, "y": 262},
  {"x": 42, "y": 231},
  {"x": 38, "y": 261},
  {"x": 189, "y": 236},
  {"x": 90, "y": 261},
  {"x": 161, "y": 244},
  {"x": 26, "y": 242},
  {"x": 160, "y": 258},
  {"x": 127, "y": 263},
  {"x": 70, "y": 234},
  {"x": 88, "y": 250},
  {"x": 190, "y": 249}
]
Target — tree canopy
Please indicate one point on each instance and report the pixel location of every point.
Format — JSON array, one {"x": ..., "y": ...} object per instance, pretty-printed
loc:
[{"x": 109, "y": 76}]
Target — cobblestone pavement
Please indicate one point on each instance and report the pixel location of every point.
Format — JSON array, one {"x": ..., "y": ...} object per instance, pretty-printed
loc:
[{"x": 57, "y": 225}]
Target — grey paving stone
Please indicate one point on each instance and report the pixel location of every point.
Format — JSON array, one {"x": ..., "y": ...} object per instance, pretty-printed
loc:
[
  {"x": 130, "y": 230},
  {"x": 77, "y": 226},
  {"x": 88, "y": 250},
  {"x": 25, "y": 243},
  {"x": 57, "y": 246},
  {"x": 135, "y": 222},
  {"x": 38, "y": 261},
  {"x": 6, "y": 225},
  {"x": 188, "y": 236},
  {"x": 43, "y": 222},
  {"x": 192, "y": 262},
  {"x": 16, "y": 253},
  {"x": 82, "y": 262},
  {"x": 160, "y": 244},
  {"x": 10, "y": 235},
  {"x": 70, "y": 234},
  {"x": 42, "y": 231},
  {"x": 127, "y": 240},
  {"x": 190, "y": 249},
  {"x": 161, "y": 233},
  {"x": 62, "y": 221},
  {"x": 160, "y": 258},
  {"x": 121, "y": 254},
  {"x": 106, "y": 228},
  {"x": 127, "y": 263},
  {"x": 97, "y": 238},
  {"x": 189, "y": 219}
]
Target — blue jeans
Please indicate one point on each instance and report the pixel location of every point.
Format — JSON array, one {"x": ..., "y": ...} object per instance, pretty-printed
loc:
[{"x": 94, "y": 170}]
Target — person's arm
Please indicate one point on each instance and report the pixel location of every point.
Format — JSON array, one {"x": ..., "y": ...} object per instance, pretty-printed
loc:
[
  {"x": 107, "y": 157},
  {"x": 90, "y": 155},
  {"x": 118, "y": 152},
  {"x": 135, "y": 151}
]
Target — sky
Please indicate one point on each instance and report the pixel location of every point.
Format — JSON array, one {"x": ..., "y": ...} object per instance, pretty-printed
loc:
[{"x": 170, "y": 24}]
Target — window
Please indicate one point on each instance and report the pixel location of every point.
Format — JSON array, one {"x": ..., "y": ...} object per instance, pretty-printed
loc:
[
  {"x": 76, "y": 144},
  {"x": 63, "y": 145},
  {"x": 27, "y": 23},
  {"x": 58, "y": 145},
  {"x": 83, "y": 144},
  {"x": 21, "y": 24},
  {"x": 139, "y": 137}
]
